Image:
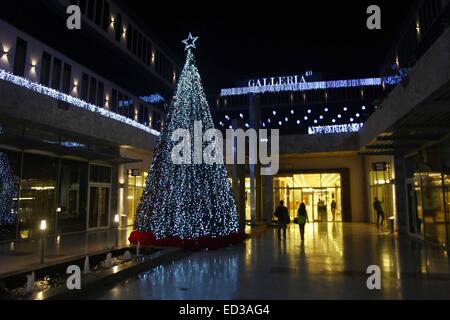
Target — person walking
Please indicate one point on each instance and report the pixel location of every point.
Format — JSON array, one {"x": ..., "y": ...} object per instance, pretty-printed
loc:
[
  {"x": 302, "y": 218},
  {"x": 282, "y": 214},
  {"x": 378, "y": 207},
  {"x": 333, "y": 209}
]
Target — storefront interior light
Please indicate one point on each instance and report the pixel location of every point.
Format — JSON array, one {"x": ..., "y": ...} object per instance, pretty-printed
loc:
[
  {"x": 43, "y": 225},
  {"x": 42, "y": 188},
  {"x": 116, "y": 218}
]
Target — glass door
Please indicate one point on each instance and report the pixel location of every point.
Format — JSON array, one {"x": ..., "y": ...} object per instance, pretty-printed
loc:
[
  {"x": 415, "y": 218},
  {"x": 99, "y": 205}
]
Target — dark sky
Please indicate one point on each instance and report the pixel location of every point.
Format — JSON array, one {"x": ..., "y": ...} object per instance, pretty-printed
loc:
[{"x": 246, "y": 39}]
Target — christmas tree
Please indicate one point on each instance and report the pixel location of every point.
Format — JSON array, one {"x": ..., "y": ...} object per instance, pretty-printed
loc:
[
  {"x": 7, "y": 192},
  {"x": 189, "y": 204}
]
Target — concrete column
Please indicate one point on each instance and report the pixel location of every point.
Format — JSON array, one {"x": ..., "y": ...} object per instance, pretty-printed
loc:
[
  {"x": 238, "y": 176},
  {"x": 400, "y": 194},
  {"x": 122, "y": 192},
  {"x": 267, "y": 198},
  {"x": 255, "y": 178},
  {"x": 114, "y": 201},
  {"x": 365, "y": 191}
]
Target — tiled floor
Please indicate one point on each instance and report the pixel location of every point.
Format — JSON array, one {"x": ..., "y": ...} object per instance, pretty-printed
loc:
[{"x": 331, "y": 264}]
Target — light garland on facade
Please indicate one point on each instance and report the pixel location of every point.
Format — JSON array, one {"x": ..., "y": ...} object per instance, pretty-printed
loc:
[
  {"x": 342, "y": 128},
  {"x": 55, "y": 94},
  {"x": 309, "y": 86}
]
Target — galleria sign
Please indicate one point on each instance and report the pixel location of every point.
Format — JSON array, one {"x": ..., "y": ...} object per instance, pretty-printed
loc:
[{"x": 279, "y": 81}]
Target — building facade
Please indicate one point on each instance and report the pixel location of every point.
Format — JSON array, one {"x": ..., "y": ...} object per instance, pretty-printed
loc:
[{"x": 76, "y": 139}]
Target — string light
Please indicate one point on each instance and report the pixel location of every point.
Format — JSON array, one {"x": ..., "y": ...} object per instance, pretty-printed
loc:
[
  {"x": 310, "y": 86},
  {"x": 36, "y": 87},
  {"x": 343, "y": 128},
  {"x": 7, "y": 192}
]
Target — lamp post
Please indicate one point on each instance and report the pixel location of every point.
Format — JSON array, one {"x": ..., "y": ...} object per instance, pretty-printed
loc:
[
  {"x": 43, "y": 227},
  {"x": 116, "y": 222}
]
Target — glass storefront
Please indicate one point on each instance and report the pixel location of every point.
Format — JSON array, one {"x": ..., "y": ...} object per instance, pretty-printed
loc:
[
  {"x": 37, "y": 200},
  {"x": 72, "y": 204},
  {"x": 70, "y": 195},
  {"x": 382, "y": 187},
  {"x": 428, "y": 186},
  {"x": 320, "y": 192},
  {"x": 99, "y": 196},
  {"x": 136, "y": 185}
]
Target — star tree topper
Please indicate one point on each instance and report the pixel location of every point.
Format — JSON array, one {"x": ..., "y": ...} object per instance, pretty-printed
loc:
[{"x": 190, "y": 42}]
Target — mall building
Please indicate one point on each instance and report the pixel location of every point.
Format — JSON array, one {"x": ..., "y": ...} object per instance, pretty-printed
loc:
[
  {"x": 77, "y": 127},
  {"x": 345, "y": 142}
]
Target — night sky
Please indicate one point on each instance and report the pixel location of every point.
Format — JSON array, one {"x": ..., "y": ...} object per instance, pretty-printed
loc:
[{"x": 241, "y": 40}]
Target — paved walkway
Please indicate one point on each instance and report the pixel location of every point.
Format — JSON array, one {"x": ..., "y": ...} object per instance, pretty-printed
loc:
[
  {"x": 331, "y": 264},
  {"x": 26, "y": 254}
]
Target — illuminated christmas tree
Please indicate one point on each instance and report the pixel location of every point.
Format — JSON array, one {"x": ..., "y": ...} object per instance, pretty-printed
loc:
[
  {"x": 7, "y": 192},
  {"x": 189, "y": 205}
]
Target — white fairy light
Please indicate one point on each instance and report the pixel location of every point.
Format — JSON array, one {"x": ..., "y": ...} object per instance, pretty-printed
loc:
[
  {"x": 342, "y": 128},
  {"x": 36, "y": 87}
]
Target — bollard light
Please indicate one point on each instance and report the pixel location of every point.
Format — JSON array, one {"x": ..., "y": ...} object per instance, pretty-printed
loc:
[
  {"x": 116, "y": 221},
  {"x": 43, "y": 227}
]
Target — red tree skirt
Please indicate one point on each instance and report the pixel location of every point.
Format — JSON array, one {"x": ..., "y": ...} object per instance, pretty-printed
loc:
[{"x": 149, "y": 239}]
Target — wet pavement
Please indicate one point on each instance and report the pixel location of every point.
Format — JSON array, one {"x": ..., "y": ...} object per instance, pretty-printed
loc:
[{"x": 330, "y": 264}]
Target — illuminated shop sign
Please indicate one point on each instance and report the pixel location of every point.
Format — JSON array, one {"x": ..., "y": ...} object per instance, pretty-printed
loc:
[
  {"x": 280, "y": 81},
  {"x": 379, "y": 166},
  {"x": 341, "y": 128}
]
